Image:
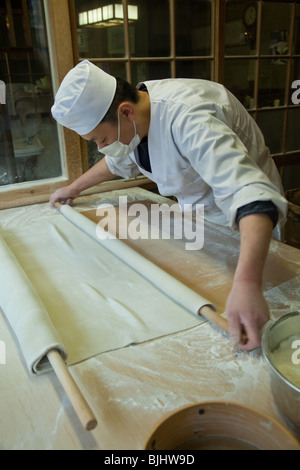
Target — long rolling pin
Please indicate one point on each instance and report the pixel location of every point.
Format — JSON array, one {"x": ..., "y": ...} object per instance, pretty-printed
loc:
[
  {"x": 210, "y": 314},
  {"x": 80, "y": 405}
]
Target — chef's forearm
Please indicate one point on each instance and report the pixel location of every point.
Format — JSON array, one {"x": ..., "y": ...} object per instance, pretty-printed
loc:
[
  {"x": 256, "y": 233},
  {"x": 95, "y": 175}
]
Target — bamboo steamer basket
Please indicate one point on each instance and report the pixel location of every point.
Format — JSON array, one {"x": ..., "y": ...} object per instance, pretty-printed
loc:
[{"x": 219, "y": 426}]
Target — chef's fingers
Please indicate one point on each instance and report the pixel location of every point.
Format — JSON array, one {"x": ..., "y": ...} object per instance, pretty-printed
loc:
[{"x": 246, "y": 338}]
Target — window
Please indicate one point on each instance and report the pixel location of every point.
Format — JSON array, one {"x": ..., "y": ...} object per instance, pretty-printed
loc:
[
  {"x": 253, "y": 47},
  {"x": 32, "y": 147},
  {"x": 261, "y": 62},
  {"x": 162, "y": 35},
  {"x": 165, "y": 38}
]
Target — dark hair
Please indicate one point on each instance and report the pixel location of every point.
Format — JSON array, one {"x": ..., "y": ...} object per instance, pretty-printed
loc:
[{"x": 124, "y": 92}]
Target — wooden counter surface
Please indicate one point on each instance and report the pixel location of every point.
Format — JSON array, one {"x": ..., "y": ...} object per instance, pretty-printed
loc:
[{"x": 132, "y": 388}]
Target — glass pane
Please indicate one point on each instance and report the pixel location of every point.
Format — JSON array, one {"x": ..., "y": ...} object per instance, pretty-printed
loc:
[
  {"x": 240, "y": 27},
  {"x": 291, "y": 177},
  {"x": 117, "y": 69},
  {"x": 272, "y": 80},
  {"x": 271, "y": 125},
  {"x": 152, "y": 29},
  {"x": 29, "y": 145},
  {"x": 293, "y": 134},
  {"x": 142, "y": 71},
  {"x": 193, "y": 69},
  {"x": 93, "y": 154},
  {"x": 239, "y": 79},
  {"x": 275, "y": 27},
  {"x": 100, "y": 27},
  {"x": 296, "y": 48},
  {"x": 193, "y": 27}
]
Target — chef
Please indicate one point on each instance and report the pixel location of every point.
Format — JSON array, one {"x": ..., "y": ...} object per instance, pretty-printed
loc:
[{"x": 196, "y": 141}]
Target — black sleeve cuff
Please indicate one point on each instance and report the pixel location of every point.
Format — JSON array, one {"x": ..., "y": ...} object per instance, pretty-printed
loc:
[{"x": 259, "y": 207}]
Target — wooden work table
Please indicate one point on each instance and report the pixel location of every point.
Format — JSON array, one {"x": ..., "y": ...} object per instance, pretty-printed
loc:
[{"x": 131, "y": 389}]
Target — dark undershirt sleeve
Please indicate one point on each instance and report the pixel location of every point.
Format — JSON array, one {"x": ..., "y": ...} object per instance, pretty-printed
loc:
[{"x": 259, "y": 207}]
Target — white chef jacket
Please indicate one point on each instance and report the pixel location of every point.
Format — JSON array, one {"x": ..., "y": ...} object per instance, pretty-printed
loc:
[{"x": 205, "y": 148}]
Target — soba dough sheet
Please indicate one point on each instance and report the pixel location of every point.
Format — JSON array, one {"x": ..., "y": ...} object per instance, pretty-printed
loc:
[{"x": 90, "y": 299}]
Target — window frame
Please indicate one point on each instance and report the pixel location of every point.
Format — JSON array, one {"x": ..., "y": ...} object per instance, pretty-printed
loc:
[
  {"x": 71, "y": 149},
  {"x": 283, "y": 158},
  {"x": 217, "y": 60}
]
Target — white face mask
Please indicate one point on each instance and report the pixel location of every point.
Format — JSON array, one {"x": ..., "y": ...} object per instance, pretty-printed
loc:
[{"x": 117, "y": 148}]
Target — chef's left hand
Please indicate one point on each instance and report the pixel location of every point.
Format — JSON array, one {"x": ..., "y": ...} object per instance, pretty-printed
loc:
[{"x": 247, "y": 312}]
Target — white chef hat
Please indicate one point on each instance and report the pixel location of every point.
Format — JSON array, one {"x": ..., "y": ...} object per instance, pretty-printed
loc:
[{"x": 84, "y": 97}]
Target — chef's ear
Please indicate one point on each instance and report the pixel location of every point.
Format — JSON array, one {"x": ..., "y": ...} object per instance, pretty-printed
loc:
[{"x": 127, "y": 109}]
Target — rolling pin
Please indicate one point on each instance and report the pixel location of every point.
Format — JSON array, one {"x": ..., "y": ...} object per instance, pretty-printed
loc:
[
  {"x": 211, "y": 315},
  {"x": 80, "y": 405}
]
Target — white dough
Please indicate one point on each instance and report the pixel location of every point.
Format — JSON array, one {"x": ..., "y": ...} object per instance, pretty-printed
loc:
[
  {"x": 60, "y": 288},
  {"x": 24, "y": 308}
]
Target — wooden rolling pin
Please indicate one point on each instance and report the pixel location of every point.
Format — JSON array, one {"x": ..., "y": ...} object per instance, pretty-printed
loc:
[
  {"x": 75, "y": 396},
  {"x": 210, "y": 314}
]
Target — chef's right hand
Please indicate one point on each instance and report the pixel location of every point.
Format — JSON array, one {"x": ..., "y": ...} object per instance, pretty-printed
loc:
[{"x": 64, "y": 196}]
